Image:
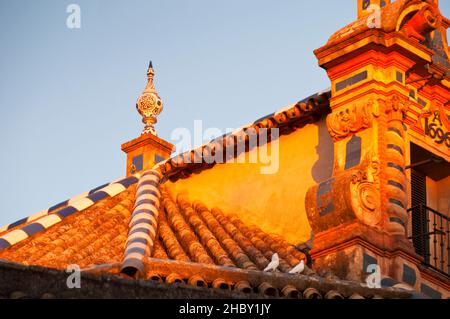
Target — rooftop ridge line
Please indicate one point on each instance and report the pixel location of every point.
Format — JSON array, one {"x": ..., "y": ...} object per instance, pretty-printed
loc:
[
  {"x": 143, "y": 224},
  {"x": 310, "y": 106}
]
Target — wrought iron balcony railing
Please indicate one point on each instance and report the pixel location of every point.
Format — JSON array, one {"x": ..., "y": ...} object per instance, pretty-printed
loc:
[{"x": 430, "y": 234}]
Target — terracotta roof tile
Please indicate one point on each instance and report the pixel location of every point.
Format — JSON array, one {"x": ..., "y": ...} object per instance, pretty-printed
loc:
[
  {"x": 159, "y": 251},
  {"x": 254, "y": 254},
  {"x": 258, "y": 242},
  {"x": 186, "y": 236},
  {"x": 233, "y": 249},
  {"x": 187, "y": 233},
  {"x": 229, "y": 282},
  {"x": 169, "y": 240},
  {"x": 204, "y": 233},
  {"x": 95, "y": 236},
  {"x": 193, "y": 233}
]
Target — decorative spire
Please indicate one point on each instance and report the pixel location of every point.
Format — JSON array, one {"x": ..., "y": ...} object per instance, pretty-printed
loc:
[
  {"x": 149, "y": 104},
  {"x": 366, "y": 7}
]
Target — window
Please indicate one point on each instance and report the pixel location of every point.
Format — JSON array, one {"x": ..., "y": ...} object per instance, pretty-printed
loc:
[
  {"x": 430, "y": 208},
  {"x": 399, "y": 76},
  {"x": 418, "y": 197},
  {"x": 138, "y": 163},
  {"x": 365, "y": 4},
  {"x": 158, "y": 158},
  {"x": 353, "y": 152},
  {"x": 422, "y": 102},
  {"x": 351, "y": 81}
]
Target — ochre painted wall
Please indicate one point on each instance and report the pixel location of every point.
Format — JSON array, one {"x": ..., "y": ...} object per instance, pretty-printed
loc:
[
  {"x": 276, "y": 202},
  {"x": 438, "y": 198},
  {"x": 438, "y": 195}
]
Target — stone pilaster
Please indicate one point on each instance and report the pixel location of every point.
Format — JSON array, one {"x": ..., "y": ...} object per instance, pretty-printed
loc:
[{"x": 359, "y": 215}]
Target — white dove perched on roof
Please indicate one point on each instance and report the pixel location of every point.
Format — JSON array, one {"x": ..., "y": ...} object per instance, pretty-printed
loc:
[
  {"x": 273, "y": 265},
  {"x": 299, "y": 268}
]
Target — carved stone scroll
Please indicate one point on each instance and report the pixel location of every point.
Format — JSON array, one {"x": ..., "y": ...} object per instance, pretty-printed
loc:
[{"x": 352, "y": 120}]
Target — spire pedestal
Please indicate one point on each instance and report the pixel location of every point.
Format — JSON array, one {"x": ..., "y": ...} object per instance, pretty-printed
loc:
[
  {"x": 145, "y": 151},
  {"x": 148, "y": 149}
]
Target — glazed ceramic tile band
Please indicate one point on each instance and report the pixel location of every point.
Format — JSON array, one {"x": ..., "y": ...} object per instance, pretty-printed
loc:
[
  {"x": 45, "y": 219},
  {"x": 143, "y": 224}
]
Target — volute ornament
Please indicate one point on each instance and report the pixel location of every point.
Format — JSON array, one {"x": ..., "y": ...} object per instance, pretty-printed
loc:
[
  {"x": 365, "y": 199},
  {"x": 352, "y": 120},
  {"x": 395, "y": 107}
]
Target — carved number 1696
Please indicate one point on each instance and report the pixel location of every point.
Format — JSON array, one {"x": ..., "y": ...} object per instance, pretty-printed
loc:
[{"x": 437, "y": 133}]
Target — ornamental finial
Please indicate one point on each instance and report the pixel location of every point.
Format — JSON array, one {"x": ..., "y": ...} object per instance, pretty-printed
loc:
[{"x": 149, "y": 104}]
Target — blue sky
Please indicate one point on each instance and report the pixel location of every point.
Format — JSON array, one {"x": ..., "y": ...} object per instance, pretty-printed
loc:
[{"x": 67, "y": 96}]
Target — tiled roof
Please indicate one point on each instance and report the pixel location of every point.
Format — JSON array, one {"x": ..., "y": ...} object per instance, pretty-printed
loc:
[
  {"x": 194, "y": 245},
  {"x": 23, "y": 228},
  {"x": 121, "y": 223},
  {"x": 175, "y": 279},
  {"x": 187, "y": 232},
  {"x": 138, "y": 227},
  {"x": 93, "y": 236},
  {"x": 192, "y": 232}
]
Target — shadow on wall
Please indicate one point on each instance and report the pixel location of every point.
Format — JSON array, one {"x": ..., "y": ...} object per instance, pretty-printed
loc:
[{"x": 322, "y": 169}]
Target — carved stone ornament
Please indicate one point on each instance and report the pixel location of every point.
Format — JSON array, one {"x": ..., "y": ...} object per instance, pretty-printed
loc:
[
  {"x": 395, "y": 107},
  {"x": 365, "y": 199},
  {"x": 352, "y": 120},
  {"x": 149, "y": 104},
  {"x": 437, "y": 115},
  {"x": 373, "y": 171},
  {"x": 422, "y": 22},
  {"x": 346, "y": 198}
]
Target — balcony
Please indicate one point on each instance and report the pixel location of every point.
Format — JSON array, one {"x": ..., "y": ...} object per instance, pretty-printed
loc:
[{"x": 430, "y": 234}]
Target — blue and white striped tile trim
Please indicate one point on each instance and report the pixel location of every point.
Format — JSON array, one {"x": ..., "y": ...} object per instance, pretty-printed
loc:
[
  {"x": 46, "y": 218},
  {"x": 56, "y": 207},
  {"x": 143, "y": 224}
]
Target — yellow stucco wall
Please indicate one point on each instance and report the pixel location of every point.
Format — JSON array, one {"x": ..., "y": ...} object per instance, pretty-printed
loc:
[
  {"x": 438, "y": 195},
  {"x": 274, "y": 202}
]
